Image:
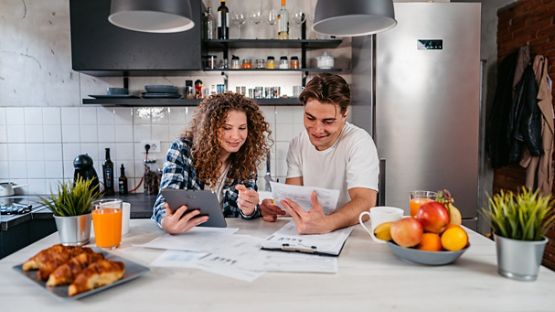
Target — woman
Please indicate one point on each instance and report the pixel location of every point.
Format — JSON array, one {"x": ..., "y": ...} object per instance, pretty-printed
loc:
[{"x": 220, "y": 151}]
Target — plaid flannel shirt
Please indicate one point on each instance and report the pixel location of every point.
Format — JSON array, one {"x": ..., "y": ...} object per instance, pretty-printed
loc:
[{"x": 179, "y": 173}]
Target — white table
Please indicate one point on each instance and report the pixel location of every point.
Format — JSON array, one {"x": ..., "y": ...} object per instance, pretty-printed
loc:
[{"x": 370, "y": 278}]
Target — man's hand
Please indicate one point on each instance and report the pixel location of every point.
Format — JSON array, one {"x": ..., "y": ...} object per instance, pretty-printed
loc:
[
  {"x": 181, "y": 221},
  {"x": 270, "y": 211},
  {"x": 313, "y": 221},
  {"x": 247, "y": 200}
]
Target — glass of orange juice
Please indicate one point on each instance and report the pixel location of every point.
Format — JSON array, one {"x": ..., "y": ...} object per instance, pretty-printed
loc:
[
  {"x": 418, "y": 198},
  {"x": 106, "y": 217}
]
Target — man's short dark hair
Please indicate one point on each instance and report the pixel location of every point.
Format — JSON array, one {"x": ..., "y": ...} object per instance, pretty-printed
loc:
[{"x": 328, "y": 88}]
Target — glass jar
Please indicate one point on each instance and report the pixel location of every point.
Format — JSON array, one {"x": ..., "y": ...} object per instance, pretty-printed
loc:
[
  {"x": 260, "y": 63},
  {"x": 294, "y": 64},
  {"x": 246, "y": 64},
  {"x": 235, "y": 62},
  {"x": 270, "y": 63},
  {"x": 283, "y": 63}
]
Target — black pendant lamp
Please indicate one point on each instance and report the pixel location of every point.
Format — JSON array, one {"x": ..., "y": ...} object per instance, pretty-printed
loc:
[
  {"x": 153, "y": 16},
  {"x": 353, "y": 17}
]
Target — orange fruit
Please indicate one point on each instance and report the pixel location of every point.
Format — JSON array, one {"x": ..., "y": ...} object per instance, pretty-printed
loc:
[
  {"x": 454, "y": 238},
  {"x": 430, "y": 242}
]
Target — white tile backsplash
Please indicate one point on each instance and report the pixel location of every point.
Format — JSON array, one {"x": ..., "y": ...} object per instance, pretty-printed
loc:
[
  {"x": 34, "y": 133},
  {"x": 33, "y": 115},
  {"x": 41, "y": 143},
  {"x": 3, "y": 131},
  {"x": 15, "y": 116},
  {"x": 51, "y": 116}
]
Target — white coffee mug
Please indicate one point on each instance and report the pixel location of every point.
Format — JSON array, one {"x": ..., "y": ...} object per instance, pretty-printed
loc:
[
  {"x": 379, "y": 215},
  {"x": 125, "y": 216}
]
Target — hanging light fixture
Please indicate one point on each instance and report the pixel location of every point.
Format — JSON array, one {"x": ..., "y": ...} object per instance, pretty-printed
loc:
[
  {"x": 154, "y": 16},
  {"x": 353, "y": 17}
]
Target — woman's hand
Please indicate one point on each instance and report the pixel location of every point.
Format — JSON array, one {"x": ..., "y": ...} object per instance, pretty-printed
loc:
[
  {"x": 181, "y": 220},
  {"x": 247, "y": 200}
]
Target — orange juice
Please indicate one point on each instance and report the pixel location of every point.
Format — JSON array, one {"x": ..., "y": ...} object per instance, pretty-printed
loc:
[
  {"x": 107, "y": 227},
  {"x": 415, "y": 203}
]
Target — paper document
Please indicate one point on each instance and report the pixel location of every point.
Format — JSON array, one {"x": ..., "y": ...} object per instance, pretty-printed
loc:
[
  {"x": 271, "y": 261},
  {"x": 287, "y": 239},
  {"x": 301, "y": 194},
  {"x": 178, "y": 259},
  {"x": 198, "y": 239},
  {"x": 262, "y": 195}
]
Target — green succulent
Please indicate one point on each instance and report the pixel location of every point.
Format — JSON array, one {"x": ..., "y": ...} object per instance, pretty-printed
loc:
[
  {"x": 72, "y": 199},
  {"x": 525, "y": 216}
]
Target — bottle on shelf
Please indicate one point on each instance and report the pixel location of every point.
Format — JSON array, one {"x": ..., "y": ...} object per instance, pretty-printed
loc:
[
  {"x": 108, "y": 174},
  {"x": 209, "y": 22},
  {"x": 283, "y": 22},
  {"x": 122, "y": 181},
  {"x": 223, "y": 21}
]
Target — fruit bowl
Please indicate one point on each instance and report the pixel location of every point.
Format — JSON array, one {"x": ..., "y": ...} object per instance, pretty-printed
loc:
[{"x": 426, "y": 257}]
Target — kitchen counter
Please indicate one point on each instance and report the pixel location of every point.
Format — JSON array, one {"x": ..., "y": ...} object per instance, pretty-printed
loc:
[{"x": 370, "y": 277}]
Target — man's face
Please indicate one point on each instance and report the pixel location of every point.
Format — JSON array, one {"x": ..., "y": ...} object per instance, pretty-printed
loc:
[{"x": 323, "y": 122}]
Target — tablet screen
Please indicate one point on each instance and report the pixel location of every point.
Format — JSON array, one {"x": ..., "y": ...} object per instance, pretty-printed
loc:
[{"x": 205, "y": 201}]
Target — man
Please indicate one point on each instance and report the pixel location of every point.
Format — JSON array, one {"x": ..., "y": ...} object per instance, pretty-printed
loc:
[{"x": 331, "y": 153}]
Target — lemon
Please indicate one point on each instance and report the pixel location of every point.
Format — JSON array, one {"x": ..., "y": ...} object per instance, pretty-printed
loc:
[{"x": 383, "y": 231}]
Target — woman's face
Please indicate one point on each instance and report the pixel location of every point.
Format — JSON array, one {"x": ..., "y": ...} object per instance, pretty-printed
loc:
[{"x": 233, "y": 134}]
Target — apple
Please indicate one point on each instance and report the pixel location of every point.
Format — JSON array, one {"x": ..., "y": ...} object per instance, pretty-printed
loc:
[
  {"x": 407, "y": 232},
  {"x": 433, "y": 216}
]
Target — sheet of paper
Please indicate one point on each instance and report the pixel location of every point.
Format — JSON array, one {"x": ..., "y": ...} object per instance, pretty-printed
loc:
[
  {"x": 198, "y": 239},
  {"x": 330, "y": 243},
  {"x": 272, "y": 261},
  {"x": 301, "y": 194},
  {"x": 178, "y": 259}
]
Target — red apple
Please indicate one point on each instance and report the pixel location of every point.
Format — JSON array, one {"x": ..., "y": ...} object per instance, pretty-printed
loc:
[
  {"x": 433, "y": 216},
  {"x": 406, "y": 232}
]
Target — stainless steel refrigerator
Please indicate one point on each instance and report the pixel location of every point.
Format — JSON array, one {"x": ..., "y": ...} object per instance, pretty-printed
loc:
[{"x": 416, "y": 89}]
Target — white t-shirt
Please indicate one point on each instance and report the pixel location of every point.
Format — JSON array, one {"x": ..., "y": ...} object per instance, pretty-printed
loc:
[{"x": 351, "y": 162}]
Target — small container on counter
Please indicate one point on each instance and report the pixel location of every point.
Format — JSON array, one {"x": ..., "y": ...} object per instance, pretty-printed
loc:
[
  {"x": 235, "y": 62},
  {"x": 294, "y": 64},
  {"x": 283, "y": 63},
  {"x": 210, "y": 61},
  {"x": 270, "y": 62},
  {"x": 246, "y": 64}
]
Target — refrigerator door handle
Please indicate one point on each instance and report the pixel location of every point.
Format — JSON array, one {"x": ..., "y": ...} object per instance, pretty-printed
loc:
[{"x": 381, "y": 183}]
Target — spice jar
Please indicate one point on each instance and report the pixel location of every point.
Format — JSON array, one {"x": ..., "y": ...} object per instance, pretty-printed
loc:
[
  {"x": 294, "y": 64},
  {"x": 260, "y": 63},
  {"x": 235, "y": 62},
  {"x": 270, "y": 63},
  {"x": 283, "y": 63},
  {"x": 246, "y": 64}
]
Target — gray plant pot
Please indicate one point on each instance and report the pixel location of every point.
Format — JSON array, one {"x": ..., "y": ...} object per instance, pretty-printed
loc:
[
  {"x": 519, "y": 260},
  {"x": 74, "y": 231}
]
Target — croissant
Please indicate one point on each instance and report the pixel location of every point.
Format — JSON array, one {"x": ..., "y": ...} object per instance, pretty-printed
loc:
[
  {"x": 67, "y": 272},
  {"x": 51, "y": 261},
  {"x": 33, "y": 262},
  {"x": 100, "y": 273}
]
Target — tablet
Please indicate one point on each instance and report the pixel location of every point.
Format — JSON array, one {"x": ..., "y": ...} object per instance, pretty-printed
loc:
[{"x": 205, "y": 201}]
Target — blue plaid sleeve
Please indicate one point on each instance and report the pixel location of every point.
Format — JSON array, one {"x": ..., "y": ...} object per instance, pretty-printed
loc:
[
  {"x": 178, "y": 173},
  {"x": 230, "y": 200}
]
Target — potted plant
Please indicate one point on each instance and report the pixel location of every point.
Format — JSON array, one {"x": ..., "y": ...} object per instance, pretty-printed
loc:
[
  {"x": 520, "y": 222},
  {"x": 71, "y": 207}
]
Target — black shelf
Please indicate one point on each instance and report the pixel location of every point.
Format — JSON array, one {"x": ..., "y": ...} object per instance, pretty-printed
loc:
[
  {"x": 271, "y": 44},
  {"x": 182, "y": 102},
  {"x": 313, "y": 70}
]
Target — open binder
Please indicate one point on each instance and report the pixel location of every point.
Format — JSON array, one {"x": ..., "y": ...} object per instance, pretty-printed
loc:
[{"x": 287, "y": 239}]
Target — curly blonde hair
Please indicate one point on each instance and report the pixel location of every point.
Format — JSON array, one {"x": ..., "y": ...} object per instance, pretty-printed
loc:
[{"x": 210, "y": 116}]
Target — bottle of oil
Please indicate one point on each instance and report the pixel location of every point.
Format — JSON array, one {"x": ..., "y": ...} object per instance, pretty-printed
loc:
[
  {"x": 108, "y": 174},
  {"x": 283, "y": 22},
  {"x": 122, "y": 181},
  {"x": 223, "y": 21}
]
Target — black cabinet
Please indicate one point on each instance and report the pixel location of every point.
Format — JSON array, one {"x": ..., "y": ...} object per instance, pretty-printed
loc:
[{"x": 101, "y": 49}]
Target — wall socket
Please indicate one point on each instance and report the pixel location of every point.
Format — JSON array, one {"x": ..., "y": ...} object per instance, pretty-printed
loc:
[{"x": 154, "y": 146}]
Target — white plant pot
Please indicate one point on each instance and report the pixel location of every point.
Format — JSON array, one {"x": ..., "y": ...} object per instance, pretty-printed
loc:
[
  {"x": 519, "y": 260},
  {"x": 74, "y": 231}
]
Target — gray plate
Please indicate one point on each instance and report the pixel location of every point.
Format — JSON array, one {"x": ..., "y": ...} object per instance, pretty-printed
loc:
[
  {"x": 425, "y": 257},
  {"x": 132, "y": 271}
]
